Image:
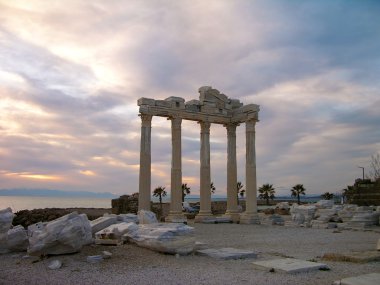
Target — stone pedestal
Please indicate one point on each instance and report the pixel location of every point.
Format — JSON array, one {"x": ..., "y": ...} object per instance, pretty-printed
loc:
[
  {"x": 250, "y": 215},
  {"x": 175, "y": 214}
]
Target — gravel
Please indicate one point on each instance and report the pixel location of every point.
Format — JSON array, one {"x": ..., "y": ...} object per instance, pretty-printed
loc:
[{"x": 130, "y": 264}]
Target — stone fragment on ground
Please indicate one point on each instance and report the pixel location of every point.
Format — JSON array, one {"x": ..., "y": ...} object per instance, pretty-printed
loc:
[
  {"x": 94, "y": 258},
  {"x": 200, "y": 245},
  {"x": 17, "y": 239},
  {"x": 169, "y": 238},
  {"x": 289, "y": 265},
  {"x": 217, "y": 220},
  {"x": 356, "y": 257},
  {"x": 147, "y": 217},
  {"x": 324, "y": 204},
  {"x": 102, "y": 222},
  {"x": 113, "y": 233},
  {"x": 282, "y": 206},
  {"x": 366, "y": 279},
  {"x": 6, "y": 217},
  {"x": 323, "y": 225},
  {"x": 127, "y": 218},
  {"x": 227, "y": 253},
  {"x": 55, "y": 264},
  {"x": 66, "y": 234},
  {"x": 302, "y": 215}
]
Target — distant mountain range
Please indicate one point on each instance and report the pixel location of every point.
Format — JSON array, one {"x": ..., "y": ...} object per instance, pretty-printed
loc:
[{"x": 54, "y": 193}]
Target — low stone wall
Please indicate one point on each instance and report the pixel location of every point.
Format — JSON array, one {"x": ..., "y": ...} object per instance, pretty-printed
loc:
[{"x": 125, "y": 204}]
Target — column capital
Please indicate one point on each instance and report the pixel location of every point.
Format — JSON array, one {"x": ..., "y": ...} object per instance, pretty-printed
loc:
[
  {"x": 231, "y": 128},
  {"x": 146, "y": 120},
  {"x": 250, "y": 125},
  {"x": 205, "y": 126},
  {"x": 176, "y": 122}
]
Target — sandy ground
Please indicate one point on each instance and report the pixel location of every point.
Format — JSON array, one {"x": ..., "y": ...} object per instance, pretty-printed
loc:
[{"x": 133, "y": 265}]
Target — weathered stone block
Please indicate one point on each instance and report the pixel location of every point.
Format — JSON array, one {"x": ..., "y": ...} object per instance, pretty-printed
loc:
[
  {"x": 17, "y": 239},
  {"x": 170, "y": 238},
  {"x": 64, "y": 235},
  {"x": 102, "y": 222},
  {"x": 366, "y": 279},
  {"x": 147, "y": 217},
  {"x": 145, "y": 101},
  {"x": 163, "y": 103},
  {"x": 227, "y": 253},
  {"x": 289, "y": 265}
]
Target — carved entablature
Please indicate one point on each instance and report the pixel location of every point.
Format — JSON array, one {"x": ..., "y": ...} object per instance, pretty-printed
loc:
[{"x": 212, "y": 106}]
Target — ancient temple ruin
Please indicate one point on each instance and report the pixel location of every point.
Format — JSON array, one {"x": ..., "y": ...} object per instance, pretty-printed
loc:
[{"x": 212, "y": 107}]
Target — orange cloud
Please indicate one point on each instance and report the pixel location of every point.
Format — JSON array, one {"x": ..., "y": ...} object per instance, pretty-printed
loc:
[
  {"x": 34, "y": 176},
  {"x": 88, "y": 172}
]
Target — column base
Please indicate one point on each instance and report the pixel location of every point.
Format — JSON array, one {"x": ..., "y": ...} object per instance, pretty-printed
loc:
[
  {"x": 202, "y": 217},
  {"x": 176, "y": 217},
  {"x": 249, "y": 218},
  {"x": 234, "y": 216}
]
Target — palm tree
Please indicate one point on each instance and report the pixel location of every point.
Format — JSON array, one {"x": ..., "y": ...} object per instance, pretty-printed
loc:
[
  {"x": 212, "y": 188},
  {"x": 185, "y": 191},
  {"x": 159, "y": 192},
  {"x": 267, "y": 192},
  {"x": 327, "y": 196},
  {"x": 347, "y": 193},
  {"x": 297, "y": 190},
  {"x": 239, "y": 191}
]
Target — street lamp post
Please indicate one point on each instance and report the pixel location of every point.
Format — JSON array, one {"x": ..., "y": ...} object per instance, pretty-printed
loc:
[{"x": 362, "y": 169}]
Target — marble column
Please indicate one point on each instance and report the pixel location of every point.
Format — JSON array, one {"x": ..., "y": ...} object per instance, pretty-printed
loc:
[
  {"x": 205, "y": 174},
  {"x": 250, "y": 215},
  {"x": 175, "y": 214},
  {"x": 232, "y": 210},
  {"x": 145, "y": 163}
]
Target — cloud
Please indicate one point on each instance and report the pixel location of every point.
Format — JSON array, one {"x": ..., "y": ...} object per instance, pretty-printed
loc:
[{"x": 71, "y": 74}]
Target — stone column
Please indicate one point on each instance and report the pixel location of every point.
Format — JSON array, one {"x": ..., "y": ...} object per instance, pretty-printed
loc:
[
  {"x": 250, "y": 215},
  {"x": 145, "y": 162},
  {"x": 205, "y": 173},
  {"x": 175, "y": 214},
  {"x": 232, "y": 211}
]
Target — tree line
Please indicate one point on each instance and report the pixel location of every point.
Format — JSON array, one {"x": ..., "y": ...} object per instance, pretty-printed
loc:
[{"x": 266, "y": 192}]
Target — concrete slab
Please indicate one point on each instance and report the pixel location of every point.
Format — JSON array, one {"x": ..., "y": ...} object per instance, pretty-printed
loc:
[
  {"x": 366, "y": 279},
  {"x": 227, "y": 253},
  {"x": 289, "y": 265},
  {"x": 356, "y": 257}
]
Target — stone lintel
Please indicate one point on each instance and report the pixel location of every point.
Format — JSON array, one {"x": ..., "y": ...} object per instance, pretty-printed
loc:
[{"x": 167, "y": 108}]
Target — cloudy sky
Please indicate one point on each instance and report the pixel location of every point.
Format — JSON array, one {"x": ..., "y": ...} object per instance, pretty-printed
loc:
[{"x": 71, "y": 73}]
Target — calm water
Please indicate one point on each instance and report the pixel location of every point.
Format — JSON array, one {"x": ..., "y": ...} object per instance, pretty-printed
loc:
[{"x": 18, "y": 203}]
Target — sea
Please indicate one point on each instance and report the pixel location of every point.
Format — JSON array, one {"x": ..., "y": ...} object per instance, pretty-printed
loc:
[{"x": 17, "y": 203}]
